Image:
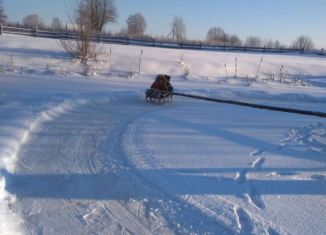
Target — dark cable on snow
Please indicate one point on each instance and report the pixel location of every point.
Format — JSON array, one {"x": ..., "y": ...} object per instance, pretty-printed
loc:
[{"x": 257, "y": 106}]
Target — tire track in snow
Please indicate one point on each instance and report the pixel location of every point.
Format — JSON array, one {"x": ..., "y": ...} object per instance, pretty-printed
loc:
[
  {"x": 197, "y": 221},
  {"x": 11, "y": 147},
  {"x": 119, "y": 211},
  {"x": 77, "y": 151},
  {"x": 120, "y": 214},
  {"x": 143, "y": 156}
]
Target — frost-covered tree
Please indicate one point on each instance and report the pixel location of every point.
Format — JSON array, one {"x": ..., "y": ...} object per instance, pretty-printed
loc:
[
  {"x": 303, "y": 42},
  {"x": 32, "y": 21},
  {"x": 3, "y": 16},
  {"x": 97, "y": 13},
  {"x": 56, "y": 24},
  {"x": 217, "y": 35},
  {"x": 136, "y": 25},
  {"x": 178, "y": 29},
  {"x": 253, "y": 41}
]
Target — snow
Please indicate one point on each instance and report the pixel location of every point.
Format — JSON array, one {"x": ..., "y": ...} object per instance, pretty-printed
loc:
[{"x": 88, "y": 155}]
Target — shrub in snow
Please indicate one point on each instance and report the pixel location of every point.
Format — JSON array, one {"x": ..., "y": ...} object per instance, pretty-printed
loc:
[{"x": 88, "y": 20}]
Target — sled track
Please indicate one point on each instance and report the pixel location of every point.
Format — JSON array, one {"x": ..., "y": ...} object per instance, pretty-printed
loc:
[
  {"x": 80, "y": 172},
  {"x": 119, "y": 199}
]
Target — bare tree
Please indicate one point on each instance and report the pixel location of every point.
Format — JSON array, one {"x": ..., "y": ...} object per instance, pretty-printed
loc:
[
  {"x": 178, "y": 29},
  {"x": 32, "y": 21},
  {"x": 3, "y": 16},
  {"x": 235, "y": 40},
  {"x": 303, "y": 42},
  {"x": 136, "y": 25},
  {"x": 56, "y": 24},
  {"x": 97, "y": 13},
  {"x": 122, "y": 33},
  {"x": 277, "y": 44},
  {"x": 268, "y": 43},
  {"x": 81, "y": 47},
  {"x": 217, "y": 35},
  {"x": 253, "y": 41}
]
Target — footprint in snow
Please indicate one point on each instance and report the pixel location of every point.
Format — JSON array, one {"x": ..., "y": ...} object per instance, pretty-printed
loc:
[
  {"x": 271, "y": 231},
  {"x": 254, "y": 198},
  {"x": 245, "y": 226},
  {"x": 241, "y": 176},
  {"x": 257, "y": 152},
  {"x": 258, "y": 163}
]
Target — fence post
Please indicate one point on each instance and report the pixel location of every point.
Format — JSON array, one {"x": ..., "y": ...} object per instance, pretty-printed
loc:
[
  {"x": 139, "y": 64},
  {"x": 110, "y": 60},
  {"x": 35, "y": 32}
]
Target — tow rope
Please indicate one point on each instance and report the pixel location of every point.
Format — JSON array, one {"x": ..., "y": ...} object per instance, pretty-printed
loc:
[{"x": 257, "y": 106}]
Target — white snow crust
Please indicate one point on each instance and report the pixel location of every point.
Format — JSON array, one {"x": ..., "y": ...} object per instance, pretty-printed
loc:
[{"x": 88, "y": 155}]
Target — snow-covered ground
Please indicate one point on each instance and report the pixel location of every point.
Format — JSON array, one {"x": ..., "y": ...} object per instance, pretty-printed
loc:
[{"x": 89, "y": 156}]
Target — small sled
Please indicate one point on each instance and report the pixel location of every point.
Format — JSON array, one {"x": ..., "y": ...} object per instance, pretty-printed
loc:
[{"x": 154, "y": 95}]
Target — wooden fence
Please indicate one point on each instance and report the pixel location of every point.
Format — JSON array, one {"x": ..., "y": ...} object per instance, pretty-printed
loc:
[{"x": 152, "y": 42}]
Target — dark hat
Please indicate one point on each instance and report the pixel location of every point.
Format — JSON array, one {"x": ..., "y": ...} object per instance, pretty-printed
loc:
[{"x": 167, "y": 77}]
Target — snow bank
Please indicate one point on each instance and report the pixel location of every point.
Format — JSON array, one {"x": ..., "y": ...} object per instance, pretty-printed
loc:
[
  {"x": 12, "y": 138},
  {"x": 10, "y": 223},
  {"x": 46, "y": 57}
]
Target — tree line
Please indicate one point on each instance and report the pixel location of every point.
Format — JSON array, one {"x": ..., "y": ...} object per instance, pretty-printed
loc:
[{"x": 101, "y": 12}]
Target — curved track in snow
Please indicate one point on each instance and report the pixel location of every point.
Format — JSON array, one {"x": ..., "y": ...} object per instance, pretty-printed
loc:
[
  {"x": 120, "y": 166},
  {"x": 73, "y": 171}
]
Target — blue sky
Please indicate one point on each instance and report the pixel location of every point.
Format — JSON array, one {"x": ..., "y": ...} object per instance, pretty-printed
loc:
[{"x": 282, "y": 20}]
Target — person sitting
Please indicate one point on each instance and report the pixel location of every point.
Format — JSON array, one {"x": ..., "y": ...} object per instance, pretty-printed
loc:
[{"x": 162, "y": 83}]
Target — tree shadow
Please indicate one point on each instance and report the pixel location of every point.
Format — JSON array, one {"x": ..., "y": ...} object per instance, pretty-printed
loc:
[
  {"x": 215, "y": 131},
  {"x": 177, "y": 182}
]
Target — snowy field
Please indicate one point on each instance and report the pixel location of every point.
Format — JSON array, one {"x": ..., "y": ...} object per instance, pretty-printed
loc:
[{"x": 88, "y": 155}]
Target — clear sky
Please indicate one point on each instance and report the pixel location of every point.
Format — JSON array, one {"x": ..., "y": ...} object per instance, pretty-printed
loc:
[{"x": 282, "y": 20}]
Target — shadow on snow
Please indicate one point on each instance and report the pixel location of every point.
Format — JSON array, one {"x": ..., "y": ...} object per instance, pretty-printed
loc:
[{"x": 177, "y": 182}]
